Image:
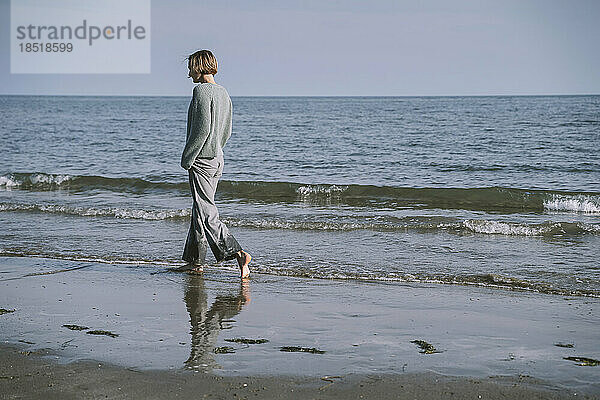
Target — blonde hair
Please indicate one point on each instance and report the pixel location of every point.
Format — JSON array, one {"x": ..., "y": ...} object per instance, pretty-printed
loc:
[{"x": 202, "y": 62}]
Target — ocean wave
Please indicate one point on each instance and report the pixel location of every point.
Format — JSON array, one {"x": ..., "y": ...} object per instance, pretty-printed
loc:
[
  {"x": 452, "y": 225},
  {"x": 307, "y": 191},
  {"x": 88, "y": 258},
  {"x": 517, "y": 229},
  {"x": 39, "y": 180},
  {"x": 8, "y": 182},
  {"x": 97, "y": 212},
  {"x": 79, "y": 183},
  {"x": 573, "y": 203},
  {"x": 489, "y": 280},
  {"x": 328, "y": 223},
  {"x": 477, "y": 199}
]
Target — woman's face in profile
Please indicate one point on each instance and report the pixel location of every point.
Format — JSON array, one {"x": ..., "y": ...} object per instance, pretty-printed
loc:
[{"x": 195, "y": 78}]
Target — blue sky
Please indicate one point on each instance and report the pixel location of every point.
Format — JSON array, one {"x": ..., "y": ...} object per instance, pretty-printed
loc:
[{"x": 369, "y": 48}]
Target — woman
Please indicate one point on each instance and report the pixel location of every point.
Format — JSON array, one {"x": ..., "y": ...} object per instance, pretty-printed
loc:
[{"x": 208, "y": 129}]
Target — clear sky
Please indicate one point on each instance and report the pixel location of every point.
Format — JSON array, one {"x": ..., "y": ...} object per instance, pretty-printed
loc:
[{"x": 350, "y": 47}]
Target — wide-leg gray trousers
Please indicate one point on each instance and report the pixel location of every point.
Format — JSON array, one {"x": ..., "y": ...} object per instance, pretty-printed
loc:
[{"x": 205, "y": 227}]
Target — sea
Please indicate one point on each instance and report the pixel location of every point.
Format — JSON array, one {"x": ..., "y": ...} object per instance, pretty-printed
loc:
[{"x": 500, "y": 191}]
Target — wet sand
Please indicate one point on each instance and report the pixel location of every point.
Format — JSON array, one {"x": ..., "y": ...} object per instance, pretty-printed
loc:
[
  {"x": 86, "y": 330},
  {"x": 33, "y": 377}
]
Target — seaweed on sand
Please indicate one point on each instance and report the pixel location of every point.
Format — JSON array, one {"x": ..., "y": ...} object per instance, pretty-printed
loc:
[
  {"x": 75, "y": 327},
  {"x": 426, "y": 348},
  {"x": 105, "y": 333},
  {"x": 566, "y": 345},
  {"x": 247, "y": 341},
  {"x": 224, "y": 350},
  {"x": 301, "y": 349},
  {"x": 584, "y": 361}
]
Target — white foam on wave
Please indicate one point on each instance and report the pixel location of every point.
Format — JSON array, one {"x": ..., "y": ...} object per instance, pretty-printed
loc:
[
  {"x": 311, "y": 190},
  {"x": 510, "y": 229},
  {"x": 152, "y": 215},
  {"x": 300, "y": 225},
  {"x": 590, "y": 228},
  {"x": 124, "y": 213},
  {"x": 471, "y": 225},
  {"x": 8, "y": 181},
  {"x": 88, "y": 258},
  {"x": 573, "y": 203},
  {"x": 48, "y": 179},
  {"x": 515, "y": 229}
]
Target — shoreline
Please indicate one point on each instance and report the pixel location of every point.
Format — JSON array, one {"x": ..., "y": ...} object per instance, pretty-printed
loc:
[
  {"x": 503, "y": 283},
  {"x": 285, "y": 333}
]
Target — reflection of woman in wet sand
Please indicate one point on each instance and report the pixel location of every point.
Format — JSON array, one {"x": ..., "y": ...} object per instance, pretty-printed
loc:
[{"x": 206, "y": 322}]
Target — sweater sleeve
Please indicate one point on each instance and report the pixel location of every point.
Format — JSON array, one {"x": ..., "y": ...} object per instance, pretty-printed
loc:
[
  {"x": 199, "y": 128},
  {"x": 228, "y": 122}
]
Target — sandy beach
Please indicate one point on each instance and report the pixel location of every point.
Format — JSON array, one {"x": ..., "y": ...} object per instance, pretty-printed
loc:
[
  {"x": 29, "y": 376},
  {"x": 89, "y": 330}
]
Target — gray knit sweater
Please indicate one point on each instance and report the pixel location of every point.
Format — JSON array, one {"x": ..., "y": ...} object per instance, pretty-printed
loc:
[{"x": 208, "y": 123}]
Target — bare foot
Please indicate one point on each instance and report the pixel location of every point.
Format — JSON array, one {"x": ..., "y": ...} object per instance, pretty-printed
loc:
[{"x": 243, "y": 260}]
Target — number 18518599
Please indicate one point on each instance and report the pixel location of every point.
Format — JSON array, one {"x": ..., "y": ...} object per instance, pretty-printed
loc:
[{"x": 46, "y": 47}]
